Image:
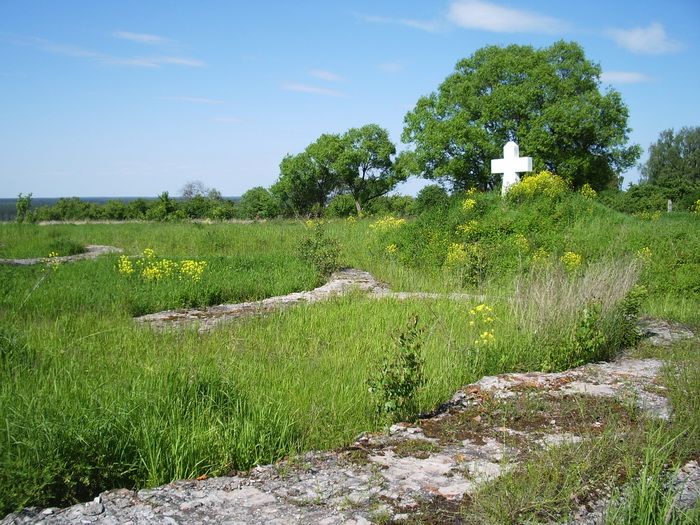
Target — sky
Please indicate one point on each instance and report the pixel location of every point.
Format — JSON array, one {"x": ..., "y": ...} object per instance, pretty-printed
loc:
[{"x": 133, "y": 98}]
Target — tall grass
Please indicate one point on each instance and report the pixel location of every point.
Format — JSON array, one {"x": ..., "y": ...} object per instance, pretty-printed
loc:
[{"x": 91, "y": 401}]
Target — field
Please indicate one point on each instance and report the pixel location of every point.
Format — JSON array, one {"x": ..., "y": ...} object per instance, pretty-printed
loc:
[{"x": 90, "y": 400}]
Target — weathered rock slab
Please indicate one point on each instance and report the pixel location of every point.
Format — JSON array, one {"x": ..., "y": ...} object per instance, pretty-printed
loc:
[
  {"x": 92, "y": 252},
  {"x": 382, "y": 475}
]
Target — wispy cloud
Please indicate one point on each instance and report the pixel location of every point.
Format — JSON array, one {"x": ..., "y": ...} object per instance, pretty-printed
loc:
[
  {"x": 651, "y": 40},
  {"x": 150, "y": 61},
  {"x": 305, "y": 88},
  {"x": 624, "y": 77},
  {"x": 391, "y": 67},
  {"x": 486, "y": 16},
  {"x": 141, "y": 38},
  {"x": 228, "y": 120},
  {"x": 325, "y": 75},
  {"x": 430, "y": 26},
  {"x": 194, "y": 100}
]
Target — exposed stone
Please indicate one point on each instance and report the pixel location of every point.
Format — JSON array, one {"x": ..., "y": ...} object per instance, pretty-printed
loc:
[
  {"x": 92, "y": 251},
  {"x": 389, "y": 482},
  {"x": 342, "y": 282}
]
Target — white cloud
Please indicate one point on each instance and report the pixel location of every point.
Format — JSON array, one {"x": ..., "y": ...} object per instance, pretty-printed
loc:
[
  {"x": 104, "y": 58},
  {"x": 194, "y": 100},
  {"x": 305, "y": 88},
  {"x": 624, "y": 77},
  {"x": 430, "y": 26},
  {"x": 141, "y": 38},
  {"x": 485, "y": 16},
  {"x": 227, "y": 120},
  {"x": 651, "y": 40},
  {"x": 325, "y": 75},
  {"x": 391, "y": 67},
  {"x": 153, "y": 62}
]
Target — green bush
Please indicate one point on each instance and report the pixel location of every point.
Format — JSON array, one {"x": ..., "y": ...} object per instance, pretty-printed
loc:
[
  {"x": 320, "y": 250},
  {"x": 395, "y": 387}
]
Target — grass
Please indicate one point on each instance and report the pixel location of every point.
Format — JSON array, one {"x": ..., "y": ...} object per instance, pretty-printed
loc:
[
  {"x": 634, "y": 453},
  {"x": 91, "y": 401}
]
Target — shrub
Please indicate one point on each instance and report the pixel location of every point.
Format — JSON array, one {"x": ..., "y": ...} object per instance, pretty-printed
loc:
[
  {"x": 341, "y": 206},
  {"x": 544, "y": 184},
  {"x": 400, "y": 377},
  {"x": 320, "y": 250},
  {"x": 431, "y": 197}
]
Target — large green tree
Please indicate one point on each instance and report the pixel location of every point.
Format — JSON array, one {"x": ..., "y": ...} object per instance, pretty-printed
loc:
[
  {"x": 360, "y": 162},
  {"x": 548, "y": 100},
  {"x": 674, "y": 159},
  {"x": 307, "y": 180},
  {"x": 366, "y": 165}
]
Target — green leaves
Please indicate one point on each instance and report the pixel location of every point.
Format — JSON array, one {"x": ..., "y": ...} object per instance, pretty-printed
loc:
[
  {"x": 359, "y": 162},
  {"x": 545, "y": 99}
]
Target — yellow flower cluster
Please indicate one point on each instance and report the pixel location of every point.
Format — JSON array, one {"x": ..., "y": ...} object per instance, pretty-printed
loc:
[
  {"x": 157, "y": 269},
  {"x": 351, "y": 220},
  {"x": 648, "y": 215},
  {"x": 52, "y": 261},
  {"x": 125, "y": 266},
  {"x": 471, "y": 191},
  {"x": 468, "y": 205},
  {"x": 695, "y": 208},
  {"x": 192, "y": 270},
  {"x": 456, "y": 254},
  {"x": 571, "y": 261},
  {"x": 644, "y": 254},
  {"x": 392, "y": 249},
  {"x": 482, "y": 313},
  {"x": 153, "y": 268},
  {"x": 544, "y": 183},
  {"x": 540, "y": 256},
  {"x": 521, "y": 243},
  {"x": 313, "y": 223},
  {"x": 588, "y": 192},
  {"x": 485, "y": 338},
  {"x": 387, "y": 223},
  {"x": 467, "y": 228}
]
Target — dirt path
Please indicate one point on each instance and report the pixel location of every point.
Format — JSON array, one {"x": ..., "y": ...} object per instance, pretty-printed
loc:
[
  {"x": 416, "y": 472},
  {"x": 92, "y": 251},
  {"x": 342, "y": 282}
]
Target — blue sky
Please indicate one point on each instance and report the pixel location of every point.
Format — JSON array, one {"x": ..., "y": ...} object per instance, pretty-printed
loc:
[{"x": 126, "y": 98}]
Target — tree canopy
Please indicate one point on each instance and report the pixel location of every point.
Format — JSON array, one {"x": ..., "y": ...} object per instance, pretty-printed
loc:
[
  {"x": 674, "y": 159},
  {"x": 366, "y": 167},
  {"x": 359, "y": 163},
  {"x": 307, "y": 179},
  {"x": 547, "y": 100}
]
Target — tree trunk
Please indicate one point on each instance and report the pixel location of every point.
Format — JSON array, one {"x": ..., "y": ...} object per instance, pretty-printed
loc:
[{"x": 358, "y": 206}]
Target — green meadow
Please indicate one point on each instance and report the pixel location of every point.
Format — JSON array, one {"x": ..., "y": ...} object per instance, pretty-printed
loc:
[{"x": 91, "y": 400}]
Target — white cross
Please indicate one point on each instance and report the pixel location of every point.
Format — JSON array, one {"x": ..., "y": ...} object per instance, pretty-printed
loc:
[{"x": 510, "y": 165}]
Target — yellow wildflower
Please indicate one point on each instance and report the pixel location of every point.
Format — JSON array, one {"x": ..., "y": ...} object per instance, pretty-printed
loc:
[
  {"x": 468, "y": 205},
  {"x": 467, "y": 228},
  {"x": 456, "y": 254},
  {"x": 644, "y": 254},
  {"x": 125, "y": 266},
  {"x": 540, "y": 256},
  {"x": 392, "y": 248},
  {"x": 192, "y": 270},
  {"x": 571, "y": 261},
  {"x": 587, "y": 191},
  {"x": 544, "y": 183},
  {"x": 521, "y": 242},
  {"x": 387, "y": 223}
]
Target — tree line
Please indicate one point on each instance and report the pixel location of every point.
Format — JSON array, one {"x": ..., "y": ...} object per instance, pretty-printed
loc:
[{"x": 548, "y": 100}]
